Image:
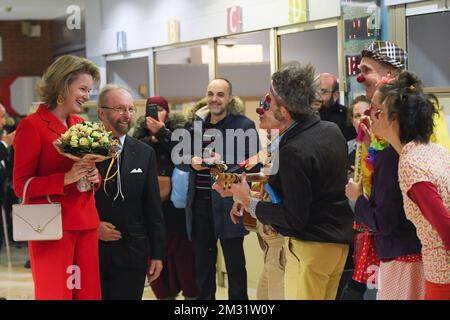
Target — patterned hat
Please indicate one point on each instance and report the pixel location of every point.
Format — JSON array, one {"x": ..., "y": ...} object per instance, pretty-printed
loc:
[{"x": 387, "y": 52}]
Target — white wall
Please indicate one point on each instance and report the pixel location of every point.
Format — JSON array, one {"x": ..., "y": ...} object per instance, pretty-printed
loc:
[{"x": 145, "y": 21}]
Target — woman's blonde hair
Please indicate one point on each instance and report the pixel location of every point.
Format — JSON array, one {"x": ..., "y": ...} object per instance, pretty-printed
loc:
[{"x": 54, "y": 84}]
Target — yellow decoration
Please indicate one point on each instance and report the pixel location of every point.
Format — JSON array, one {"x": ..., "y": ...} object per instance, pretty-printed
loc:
[
  {"x": 298, "y": 11},
  {"x": 440, "y": 132}
]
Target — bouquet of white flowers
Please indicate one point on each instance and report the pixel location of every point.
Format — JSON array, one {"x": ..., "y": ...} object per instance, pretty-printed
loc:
[{"x": 87, "y": 141}]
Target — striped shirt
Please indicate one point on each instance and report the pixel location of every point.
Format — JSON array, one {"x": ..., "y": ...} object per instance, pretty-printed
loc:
[{"x": 203, "y": 178}]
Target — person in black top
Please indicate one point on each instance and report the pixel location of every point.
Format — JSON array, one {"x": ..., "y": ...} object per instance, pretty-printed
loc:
[
  {"x": 207, "y": 215},
  {"x": 179, "y": 271},
  {"x": 131, "y": 230},
  {"x": 331, "y": 110},
  {"x": 7, "y": 134},
  {"x": 313, "y": 213}
]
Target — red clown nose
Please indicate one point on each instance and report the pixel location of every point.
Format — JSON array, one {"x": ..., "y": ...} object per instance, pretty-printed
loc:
[
  {"x": 260, "y": 111},
  {"x": 361, "y": 78}
]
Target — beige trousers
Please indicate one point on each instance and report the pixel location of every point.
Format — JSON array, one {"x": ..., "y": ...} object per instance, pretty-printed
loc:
[
  {"x": 313, "y": 269},
  {"x": 271, "y": 280}
]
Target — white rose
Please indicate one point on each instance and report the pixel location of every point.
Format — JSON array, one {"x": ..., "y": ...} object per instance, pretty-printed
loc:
[
  {"x": 84, "y": 142},
  {"x": 96, "y": 135},
  {"x": 104, "y": 140},
  {"x": 65, "y": 136}
]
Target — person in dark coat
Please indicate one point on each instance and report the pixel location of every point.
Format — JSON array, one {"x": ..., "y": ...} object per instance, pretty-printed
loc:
[
  {"x": 313, "y": 213},
  {"x": 207, "y": 214},
  {"x": 331, "y": 110},
  {"x": 131, "y": 230},
  {"x": 179, "y": 271}
]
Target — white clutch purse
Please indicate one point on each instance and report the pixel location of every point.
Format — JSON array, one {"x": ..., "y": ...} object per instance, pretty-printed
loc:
[{"x": 35, "y": 222}]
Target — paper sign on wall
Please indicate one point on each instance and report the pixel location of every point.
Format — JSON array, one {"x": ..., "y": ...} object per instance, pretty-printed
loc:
[
  {"x": 234, "y": 19},
  {"x": 298, "y": 11},
  {"x": 173, "y": 31}
]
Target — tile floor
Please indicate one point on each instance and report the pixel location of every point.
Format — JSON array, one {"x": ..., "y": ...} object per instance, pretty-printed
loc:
[{"x": 16, "y": 282}]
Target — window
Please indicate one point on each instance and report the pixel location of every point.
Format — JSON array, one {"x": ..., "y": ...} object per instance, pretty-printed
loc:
[{"x": 429, "y": 48}]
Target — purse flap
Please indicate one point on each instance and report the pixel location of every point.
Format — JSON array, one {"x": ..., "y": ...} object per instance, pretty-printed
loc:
[{"x": 37, "y": 216}]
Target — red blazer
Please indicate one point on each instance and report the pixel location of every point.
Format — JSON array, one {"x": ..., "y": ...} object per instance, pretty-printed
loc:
[{"x": 35, "y": 156}]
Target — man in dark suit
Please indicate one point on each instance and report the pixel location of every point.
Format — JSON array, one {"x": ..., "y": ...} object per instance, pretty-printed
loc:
[
  {"x": 131, "y": 230},
  {"x": 6, "y": 140}
]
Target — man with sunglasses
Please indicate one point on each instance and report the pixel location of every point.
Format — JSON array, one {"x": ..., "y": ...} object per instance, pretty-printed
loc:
[
  {"x": 131, "y": 230},
  {"x": 313, "y": 213},
  {"x": 331, "y": 110},
  {"x": 271, "y": 280}
]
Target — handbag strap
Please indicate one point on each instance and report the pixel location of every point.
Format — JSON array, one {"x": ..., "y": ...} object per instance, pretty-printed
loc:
[{"x": 25, "y": 192}]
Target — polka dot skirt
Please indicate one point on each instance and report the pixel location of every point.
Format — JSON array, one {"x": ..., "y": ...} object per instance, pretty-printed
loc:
[{"x": 365, "y": 257}]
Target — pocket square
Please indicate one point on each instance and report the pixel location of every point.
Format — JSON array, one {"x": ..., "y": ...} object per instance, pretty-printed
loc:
[{"x": 138, "y": 170}]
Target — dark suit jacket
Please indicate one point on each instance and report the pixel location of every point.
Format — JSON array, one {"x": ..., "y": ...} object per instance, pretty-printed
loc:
[
  {"x": 139, "y": 216},
  {"x": 337, "y": 113},
  {"x": 6, "y": 180},
  {"x": 3, "y": 152}
]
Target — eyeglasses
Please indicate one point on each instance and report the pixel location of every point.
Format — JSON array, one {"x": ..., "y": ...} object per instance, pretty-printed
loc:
[
  {"x": 122, "y": 110},
  {"x": 265, "y": 103},
  {"x": 324, "y": 91},
  {"x": 376, "y": 112}
]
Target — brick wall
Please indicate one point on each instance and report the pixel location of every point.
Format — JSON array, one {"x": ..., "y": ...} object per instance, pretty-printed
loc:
[{"x": 23, "y": 55}]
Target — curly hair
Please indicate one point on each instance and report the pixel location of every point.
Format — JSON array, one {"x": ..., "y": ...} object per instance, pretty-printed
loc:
[
  {"x": 410, "y": 106},
  {"x": 59, "y": 76},
  {"x": 297, "y": 89}
]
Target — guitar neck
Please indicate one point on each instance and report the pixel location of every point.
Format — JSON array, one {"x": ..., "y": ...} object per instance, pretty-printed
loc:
[
  {"x": 257, "y": 177},
  {"x": 226, "y": 179}
]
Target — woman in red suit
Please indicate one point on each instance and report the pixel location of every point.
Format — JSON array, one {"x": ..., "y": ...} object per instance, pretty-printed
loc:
[{"x": 67, "y": 268}]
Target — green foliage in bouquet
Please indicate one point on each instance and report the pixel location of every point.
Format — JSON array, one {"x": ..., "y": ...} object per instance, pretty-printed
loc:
[{"x": 86, "y": 138}]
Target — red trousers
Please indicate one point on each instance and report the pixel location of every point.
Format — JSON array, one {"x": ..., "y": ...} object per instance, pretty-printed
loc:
[{"x": 66, "y": 269}]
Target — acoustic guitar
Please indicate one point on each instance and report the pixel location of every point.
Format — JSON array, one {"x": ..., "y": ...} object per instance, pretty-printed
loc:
[{"x": 226, "y": 179}]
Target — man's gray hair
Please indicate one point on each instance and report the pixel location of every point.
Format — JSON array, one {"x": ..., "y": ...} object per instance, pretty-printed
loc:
[
  {"x": 101, "y": 101},
  {"x": 297, "y": 89}
]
